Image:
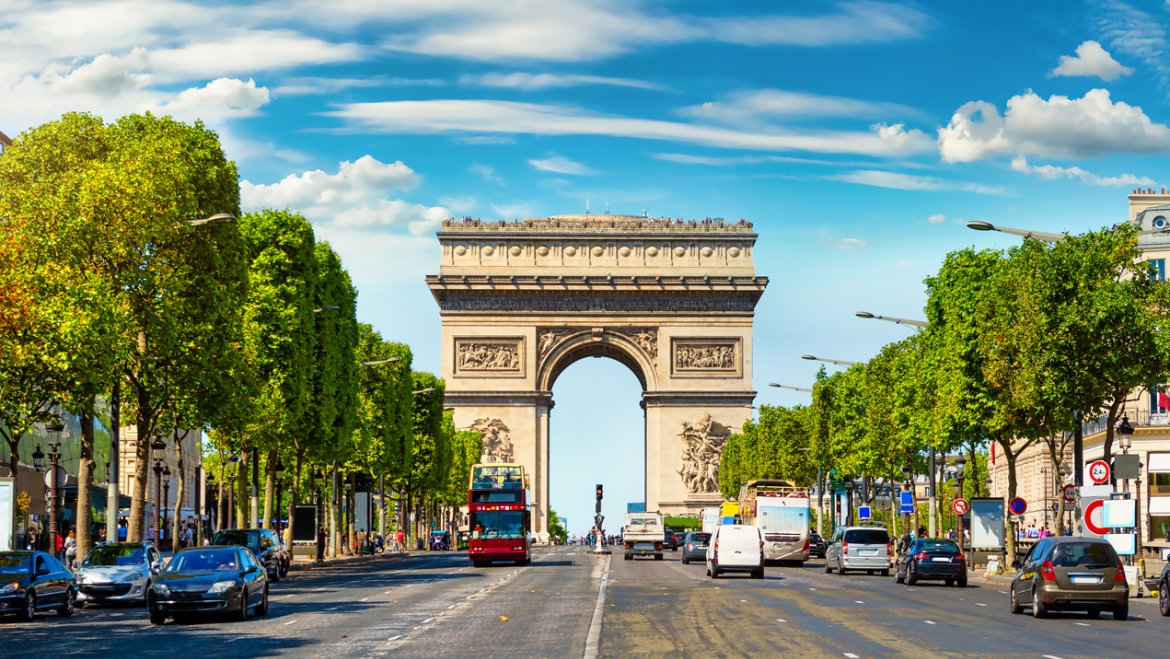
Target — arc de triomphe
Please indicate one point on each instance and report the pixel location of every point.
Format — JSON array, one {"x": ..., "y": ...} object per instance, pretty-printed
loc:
[{"x": 672, "y": 300}]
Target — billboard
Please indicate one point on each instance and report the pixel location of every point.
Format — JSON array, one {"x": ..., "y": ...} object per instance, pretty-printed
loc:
[{"x": 987, "y": 523}]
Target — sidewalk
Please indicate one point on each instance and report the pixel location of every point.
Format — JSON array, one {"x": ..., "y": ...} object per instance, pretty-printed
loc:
[{"x": 309, "y": 562}]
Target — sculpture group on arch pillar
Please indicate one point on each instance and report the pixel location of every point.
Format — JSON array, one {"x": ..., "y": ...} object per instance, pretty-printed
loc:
[
  {"x": 703, "y": 442},
  {"x": 497, "y": 445}
]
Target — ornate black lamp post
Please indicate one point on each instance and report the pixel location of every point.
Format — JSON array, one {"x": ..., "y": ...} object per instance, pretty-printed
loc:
[
  {"x": 166, "y": 472},
  {"x": 53, "y": 431}
]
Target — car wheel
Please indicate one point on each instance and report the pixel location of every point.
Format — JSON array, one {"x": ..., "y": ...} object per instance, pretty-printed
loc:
[
  {"x": 262, "y": 607},
  {"x": 828, "y": 568},
  {"x": 1038, "y": 610},
  {"x": 885, "y": 573},
  {"x": 758, "y": 574},
  {"x": 684, "y": 559},
  {"x": 30, "y": 607},
  {"x": 1163, "y": 600},
  {"x": 1093, "y": 614},
  {"x": 243, "y": 614},
  {"x": 898, "y": 578},
  {"x": 66, "y": 609},
  {"x": 950, "y": 582},
  {"x": 1121, "y": 612},
  {"x": 481, "y": 563},
  {"x": 911, "y": 579},
  {"x": 708, "y": 569},
  {"x": 962, "y": 583},
  {"x": 158, "y": 617},
  {"x": 658, "y": 557},
  {"x": 1015, "y": 605}
]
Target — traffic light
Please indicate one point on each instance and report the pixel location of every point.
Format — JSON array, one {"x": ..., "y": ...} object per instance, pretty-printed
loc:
[{"x": 599, "y": 490}]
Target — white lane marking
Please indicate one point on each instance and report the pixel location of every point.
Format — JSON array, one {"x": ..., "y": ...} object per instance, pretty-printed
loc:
[
  {"x": 290, "y": 622},
  {"x": 236, "y": 638},
  {"x": 593, "y": 638},
  {"x": 365, "y": 599},
  {"x": 333, "y": 608},
  {"x": 1003, "y": 592},
  {"x": 851, "y": 655},
  {"x": 428, "y": 621},
  {"x": 387, "y": 592},
  {"x": 1050, "y": 656},
  {"x": 394, "y": 638},
  {"x": 451, "y": 607},
  {"x": 930, "y": 622},
  {"x": 812, "y": 588},
  {"x": 744, "y": 601},
  {"x": 781, "y": 620},
  {"x": 980, "y": 604},
  {"x": 858, "y": 602},
  {"x": 1083, "y": 624}
]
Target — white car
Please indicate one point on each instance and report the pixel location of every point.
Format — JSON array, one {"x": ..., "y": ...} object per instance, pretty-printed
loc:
[
  {"x": 736, "y": 548},
  {"x": 117, "y": 572}
]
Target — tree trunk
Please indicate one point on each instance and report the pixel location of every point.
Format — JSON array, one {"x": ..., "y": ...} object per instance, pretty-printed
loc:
[
  {"x": 242, "y": 489},
  {"x": 141, "y": 466},
  {"x": 85, "y": 465},
  {"x": 269, "y": 489},
  {"x": 294, "y": 498},
  {"x": 180, "y": 491},
  {"x": 334, "y": 512}
]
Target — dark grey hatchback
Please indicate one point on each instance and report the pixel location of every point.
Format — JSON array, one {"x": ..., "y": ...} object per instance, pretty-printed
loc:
[
  {"x": 205, "y": 580},
  {"x": 1082, "y": 574},
  {"x": 694, "y": 547}
]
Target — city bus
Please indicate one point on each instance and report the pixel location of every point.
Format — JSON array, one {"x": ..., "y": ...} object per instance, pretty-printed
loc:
[
  {"x": 499, "y": 514},
  {"x": 781, "y": 510}
]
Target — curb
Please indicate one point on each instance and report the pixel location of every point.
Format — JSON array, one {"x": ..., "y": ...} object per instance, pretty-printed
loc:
[{"x": 329, "y": 562}]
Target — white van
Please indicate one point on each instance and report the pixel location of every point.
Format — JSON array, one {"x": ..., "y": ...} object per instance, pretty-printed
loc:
[{"x": 736, "y": 548}]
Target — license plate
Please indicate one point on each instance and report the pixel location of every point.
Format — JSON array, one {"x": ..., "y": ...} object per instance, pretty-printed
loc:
[
  {"x": 940, "y": 559},
  {"x": 1086, "y": 580},
  {"x": 869, "y": 552}
]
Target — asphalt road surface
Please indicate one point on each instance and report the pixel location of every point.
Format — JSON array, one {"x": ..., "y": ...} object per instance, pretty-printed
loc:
[{"x": 568, "y": 603}]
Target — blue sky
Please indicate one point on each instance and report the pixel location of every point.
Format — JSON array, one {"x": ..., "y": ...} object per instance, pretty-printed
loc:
[{"x": 857, "y": 136}]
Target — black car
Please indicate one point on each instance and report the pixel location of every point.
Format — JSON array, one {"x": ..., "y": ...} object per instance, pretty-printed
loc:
[
  {"x": 695, "y": 547},
  {"x": 674, "y": 540},
  {"x": 264, "y": 543},
  {"x": 816, "y": 545},
  {"x": 1161, "y": 584},
  {"x": 926, "y": 559},
  {"x": 209, "y": 580},
  {"x": 32, "y": 581}
]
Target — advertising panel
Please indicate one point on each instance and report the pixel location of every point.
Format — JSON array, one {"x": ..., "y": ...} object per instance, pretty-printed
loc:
[{"x": 987, "y": 523}]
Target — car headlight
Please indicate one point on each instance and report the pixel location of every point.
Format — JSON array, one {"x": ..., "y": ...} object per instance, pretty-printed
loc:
[
  {"x": 10, "y": 587},
  {"x": 162, "y": 589},
  {"x": 221, "y": 587},
  {"x": 133, "y": 575}
]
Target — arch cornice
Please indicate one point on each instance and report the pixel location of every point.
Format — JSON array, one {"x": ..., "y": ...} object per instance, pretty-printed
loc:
[{"x": 597, "y": 342}]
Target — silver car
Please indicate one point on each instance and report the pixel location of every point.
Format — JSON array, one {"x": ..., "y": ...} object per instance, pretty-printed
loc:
[
  {"x": 860, "y": 548},
  {"x": 117, "y": 572}
]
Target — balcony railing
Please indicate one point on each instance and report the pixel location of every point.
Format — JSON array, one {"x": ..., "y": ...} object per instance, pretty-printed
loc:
[{"x": 1138, "y": 418}]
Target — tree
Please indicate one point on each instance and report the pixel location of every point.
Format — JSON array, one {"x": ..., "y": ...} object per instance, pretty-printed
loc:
[
  {"x": 556, "y": 530},
  {"x": 430, "y": 455}
]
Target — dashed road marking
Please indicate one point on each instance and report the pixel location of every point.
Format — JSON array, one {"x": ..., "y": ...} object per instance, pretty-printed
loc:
[
  {"x": 858, "y": 602},
  {"x": 812, "y": 588},
  {"x": 1083, "y": 624},
  {"x": 290, "y": 622},
  {"x": 1050, "y": 656},
  {"x": 980, "y": 604},
  {"x": 394, "y": 638},
  {"x": 1003, "y": 592},
  {"x": 781, "y": 620},
  {"x": 930, "y": 622},
  {"x": 387, "y": 592},
  {"x": 365, "y": 599},
  {"x": 428, "y": 621},
  {"x": 851, "y": 655},
  {"x": 333, "y": 608},
  {"x": 744, "y": 601}
]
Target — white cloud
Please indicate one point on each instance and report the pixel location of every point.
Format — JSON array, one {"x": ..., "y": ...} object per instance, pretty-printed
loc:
[
  {"x": 488, "y": 173},
  {"x": 731, "y": 161},
  {"x": 219, "y": 99},
  {"x": 846, "y": 243},
  {"x": 1091, "y": 60},
  {"x": 538, "y": 81},
  {"x": 758, "y": 106},
  {"x": 489, "y": 116},
  {"x": 937, "y": 218},
  {"x": 560, "y": 165},
  {"x": 1136, "y": 33},
  {"x": 905, "y": 264},
  {"x": 855, "y": 22},
  {"x": 314, "y": 85},
  {"x": 356, "y": 197},
  {"x": 1057, "y": 127},
  {"x": 899, "y": 181},
  {"x": 1053, "y": 172}
]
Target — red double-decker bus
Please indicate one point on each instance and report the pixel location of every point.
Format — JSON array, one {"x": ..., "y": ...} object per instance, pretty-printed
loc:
[{"x": 499, "y": 515}]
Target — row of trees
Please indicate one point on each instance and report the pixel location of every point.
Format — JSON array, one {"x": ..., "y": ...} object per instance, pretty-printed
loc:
[
  {"x": 125, "y": 273},
  {"x": 1021, "y": 345}
]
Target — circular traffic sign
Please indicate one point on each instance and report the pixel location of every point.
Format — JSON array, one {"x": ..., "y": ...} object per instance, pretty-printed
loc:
[
  {"x": 1070, "y": 492},
  {"x": 62, "y": 477},
  {"x": 1099, "y": 472},
  {"x": 1018, "y": 506},
  {"x": 1092, "y": 526},
  {"x": 959, "y": 506}
]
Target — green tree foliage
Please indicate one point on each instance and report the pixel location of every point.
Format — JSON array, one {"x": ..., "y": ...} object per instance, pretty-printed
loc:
[
  {"x": 556, "y": 530},
  {"x": 466, "y": 449}
]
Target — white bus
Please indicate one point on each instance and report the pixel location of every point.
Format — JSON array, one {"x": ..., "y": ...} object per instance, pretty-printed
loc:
[{"x": 781, "y": 510}]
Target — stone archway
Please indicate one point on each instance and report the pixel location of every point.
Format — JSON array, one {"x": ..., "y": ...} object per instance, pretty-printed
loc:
[{"x": 673, "y": 301}]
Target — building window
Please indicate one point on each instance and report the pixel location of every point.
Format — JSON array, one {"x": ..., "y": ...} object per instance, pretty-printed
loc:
[
  {"x": 1159, "y": 483},
  {"x": 1160, "y": 400},
  {"x": 1158, "y": 269}
]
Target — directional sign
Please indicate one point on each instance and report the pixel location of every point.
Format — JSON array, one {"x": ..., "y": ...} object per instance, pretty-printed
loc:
[
  {"x": 1018, "y": 506},
  {"x": 1099, "y": 472},
  {"x": 907, "y": 507},
  {"x": 1070, "y": 492},
  {"x": 960, "y": 506},
  {"x": 863, "y": 512},
  {"x": 1095, "y": 508}
]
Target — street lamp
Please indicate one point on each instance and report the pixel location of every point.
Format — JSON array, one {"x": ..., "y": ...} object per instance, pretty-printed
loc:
[
  {"x": 785, "y": 386},
  {"x": 1125, "y": 440},
  {"x": 166, "y": 472},
  {"x": 381, "y": 361},
  {"x": 960, "y": 474},
  {"x": 892, "y": 319},
  {"x": 839, "y": 362},
  {"x": 423, "y": 391},
  {"x": 278, "y": 469},
  {"x": 981, "y": 225},
  {"x": 908, "y": 486},
  {"x": 328, "y": 307},
  {"x": 213, "y": 219},
  {"x": 53, "y": 432}
]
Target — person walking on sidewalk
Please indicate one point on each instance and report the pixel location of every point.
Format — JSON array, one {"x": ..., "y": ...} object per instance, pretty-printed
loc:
[{"x": 399, "y": 539}]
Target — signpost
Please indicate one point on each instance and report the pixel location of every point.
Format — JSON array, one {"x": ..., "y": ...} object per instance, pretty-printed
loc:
[
  {"x": 1099, "y": 472},
  {"x": 1018, "y": 506},
  {"x": 960, "y": 506}
]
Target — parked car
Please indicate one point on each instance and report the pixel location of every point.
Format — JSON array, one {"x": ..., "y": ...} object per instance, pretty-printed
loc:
[
  {"x": 926, "y": 559},
  {"x": 117, "y": 572},
  {"x": 1161, "y": 584},
  {"x": 866, "y": 548},
  {"x": 695, "y": 547},
  {"x": 264, "y": 543},
  {"x": 32, "y": 581},
  {"x": 816, "y": 545},
  {"x": 1066, "y": 573},
  {"x": 736, "y": 548},
  {"x": 209, "y": 580}
]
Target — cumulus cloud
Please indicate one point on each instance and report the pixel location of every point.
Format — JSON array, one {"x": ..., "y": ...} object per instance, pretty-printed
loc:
[
  {"x": 538, "y": 81},
  {"x": 1053, "y": 172},
  {"x": 355, "y": 197},
  {"x": 937, "y": 218},
  {"x": 899, "y": 181},
  {"x": 559, "y": 165},
  {"x": 1058, "y": 126},
  {"x": 490, "y": 116},
  {"x": 1091, "y": 60},
  {"x": 219, "y": 99}
]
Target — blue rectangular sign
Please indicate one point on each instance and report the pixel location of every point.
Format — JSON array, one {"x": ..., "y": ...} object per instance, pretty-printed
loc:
[
  {"x": 907, "y": 503},
  {"x": 863, "y": 512}
]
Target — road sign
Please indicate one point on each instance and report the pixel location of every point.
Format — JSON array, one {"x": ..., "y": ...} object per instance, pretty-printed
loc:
[
  {"x": 62, "y": 477},
  {"x": 863, "y": 512},
  {"x": 1055, "y": 507},
  {"x": 1018, "y": 506},
  {"x": 1070, "y": 492},
  {"x": 960, "y": 506},
  {"x": 1095, "y": 507},
  {"x": 907, "y": 507},
  {"x": 1099, "y": 472}
]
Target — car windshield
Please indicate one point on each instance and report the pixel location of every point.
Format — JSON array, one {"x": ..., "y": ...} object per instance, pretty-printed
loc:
[
  {"x": 249, "y": 539},
  {"x": 867, "y": 536},
  {"x": 941, "y": 546},
  {"x": 1084, "y": 554},
  {"x": 13, "y": 563},
  {"x": 204, "y": 559},
  {"x": 110, "y": 555},
  {"x": 647, "y": 521}
]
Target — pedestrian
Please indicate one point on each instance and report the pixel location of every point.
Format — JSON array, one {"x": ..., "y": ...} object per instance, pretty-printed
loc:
[
  {"x": 399, "y": 541},
  {"x": 123, "y": 528},
  {"x": 189, "y": 536},
  {"x": 320, "y": 545},
  {"x": 921, "y": 532},
  {"x": 59, "y": 550},
  {"x": 70, "y": 545}
]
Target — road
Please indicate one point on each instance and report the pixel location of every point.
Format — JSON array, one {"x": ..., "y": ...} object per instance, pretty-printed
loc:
[{"x": 436, "y": 604}]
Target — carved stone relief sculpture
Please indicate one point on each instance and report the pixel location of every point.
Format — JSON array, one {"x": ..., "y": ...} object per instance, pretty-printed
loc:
[
  {"x": 497, "y": 445},
  {"x": 647, "y": 340},
  {"x": 549, "y": 338},
  {"x": 487, "y": 355},
  {"x": 703, "y": 442},
  {"x": 716, "y": 355}
]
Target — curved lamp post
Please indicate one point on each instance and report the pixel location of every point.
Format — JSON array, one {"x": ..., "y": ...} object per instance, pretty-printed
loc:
[
  {"x": 839, "y": 362},
  {"x": 892, "y": 319}
]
